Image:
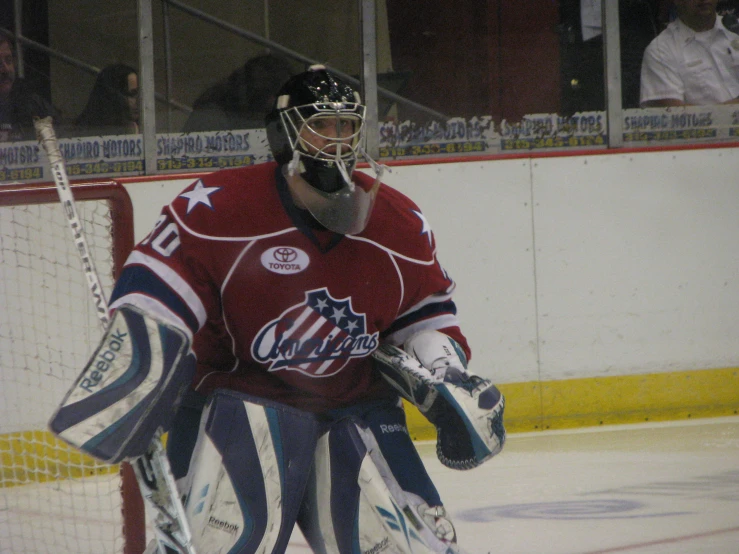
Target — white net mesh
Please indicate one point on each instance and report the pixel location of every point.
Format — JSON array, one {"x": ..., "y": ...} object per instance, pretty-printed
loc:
[{"x": 52, "y": 499}]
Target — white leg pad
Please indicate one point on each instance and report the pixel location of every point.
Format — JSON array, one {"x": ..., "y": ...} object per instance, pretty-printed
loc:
[
  {"x": 354, "y": 504},
  {"x": 247, "y": 474}
]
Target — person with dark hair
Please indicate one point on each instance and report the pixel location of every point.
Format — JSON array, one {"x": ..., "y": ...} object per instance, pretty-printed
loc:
[
  {"x": 694, "y": 61},
  {"x": 18, "y": 104},
  {"x": 112, "y": 108},
  {"x": 243, "y": 99}
]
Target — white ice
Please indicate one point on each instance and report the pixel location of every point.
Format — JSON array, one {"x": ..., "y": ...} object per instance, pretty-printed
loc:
[{"x": 635, "y": 489}]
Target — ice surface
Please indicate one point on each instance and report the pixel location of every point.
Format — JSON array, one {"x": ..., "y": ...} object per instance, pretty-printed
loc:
[{"x": 637, "y": 489}]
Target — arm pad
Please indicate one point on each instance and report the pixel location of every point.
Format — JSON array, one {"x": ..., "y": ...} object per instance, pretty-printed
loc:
[{"x": 129, "y": 390}]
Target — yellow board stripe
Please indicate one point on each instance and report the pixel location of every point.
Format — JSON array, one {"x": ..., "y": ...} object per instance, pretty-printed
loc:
[
  {"x": 35, "y": 456},
  {"x": 614, "y": 400},
  {"x": 38, "y": 456}
]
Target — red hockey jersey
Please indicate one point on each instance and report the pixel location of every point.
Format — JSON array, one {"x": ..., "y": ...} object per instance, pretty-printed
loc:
[{"x": 278, "y": 307}]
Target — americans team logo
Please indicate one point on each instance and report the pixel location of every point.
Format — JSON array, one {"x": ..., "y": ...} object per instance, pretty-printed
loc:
[{"x": 317, "y": 337}]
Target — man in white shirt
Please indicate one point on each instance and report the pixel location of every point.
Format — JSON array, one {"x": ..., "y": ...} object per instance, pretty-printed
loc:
[{"x": 694, "y": 61}]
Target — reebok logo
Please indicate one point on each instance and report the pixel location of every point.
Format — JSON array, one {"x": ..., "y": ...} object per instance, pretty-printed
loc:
[
  {"x": 230, "y": 528},
  {"x": 103, "y": 361},
  {"x": 394, "y": 428},
  {"x": 379, "y": 547}
]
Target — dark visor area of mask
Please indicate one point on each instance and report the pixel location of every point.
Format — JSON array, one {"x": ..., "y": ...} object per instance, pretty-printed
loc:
[{"x": 322, "y": 175}]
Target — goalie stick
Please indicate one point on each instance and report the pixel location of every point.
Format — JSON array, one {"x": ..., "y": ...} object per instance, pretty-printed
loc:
[{"x": 152, "y": 470}]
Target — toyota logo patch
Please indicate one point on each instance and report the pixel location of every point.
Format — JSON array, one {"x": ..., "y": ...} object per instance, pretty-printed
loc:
[{"x": 285, "y": 260}]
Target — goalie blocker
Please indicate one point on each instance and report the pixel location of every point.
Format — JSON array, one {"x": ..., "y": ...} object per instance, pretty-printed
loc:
[
  {"x": 466, "y": 409},
  {"x": 129, "y": 390}
]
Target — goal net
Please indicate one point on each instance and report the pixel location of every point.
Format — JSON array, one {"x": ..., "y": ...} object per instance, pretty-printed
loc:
[{"x": 52, "y": 498}]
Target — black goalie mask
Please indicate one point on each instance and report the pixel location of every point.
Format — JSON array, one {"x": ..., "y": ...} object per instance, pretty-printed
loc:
[{"x": 315, "y": 131}]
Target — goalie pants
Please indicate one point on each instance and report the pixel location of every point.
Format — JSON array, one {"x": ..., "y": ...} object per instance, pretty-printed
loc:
[{"x": 385, "y": 418}]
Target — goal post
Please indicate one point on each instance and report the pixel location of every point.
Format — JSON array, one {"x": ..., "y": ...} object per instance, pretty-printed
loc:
[{"x": 52, "y": 498}]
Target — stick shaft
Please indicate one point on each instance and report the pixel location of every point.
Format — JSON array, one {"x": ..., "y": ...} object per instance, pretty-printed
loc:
[
  {"x": 47, "y": 137},
  {"x": 163, "y": 486}
]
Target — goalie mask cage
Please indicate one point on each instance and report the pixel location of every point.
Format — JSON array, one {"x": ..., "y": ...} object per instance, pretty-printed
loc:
[{"x": 52, "y": 498}]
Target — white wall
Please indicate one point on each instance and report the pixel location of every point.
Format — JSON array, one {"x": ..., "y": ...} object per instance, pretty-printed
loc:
[{"x": 578, "y": 266}]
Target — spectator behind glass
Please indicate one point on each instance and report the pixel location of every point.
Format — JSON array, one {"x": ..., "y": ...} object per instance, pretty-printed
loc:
[
  {"x": 113, "y": 106},
  {"x": 18, "y": 104},
  {"x": 694, "y": 61},
  {"x": 243, "y": 99}
]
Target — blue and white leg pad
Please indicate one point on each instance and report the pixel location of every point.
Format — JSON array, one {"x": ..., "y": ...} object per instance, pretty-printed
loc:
[
  {"x": 247, "y": 474},
  {"x": 129, "y": 389},
  {"x": 354, "y": 504}
]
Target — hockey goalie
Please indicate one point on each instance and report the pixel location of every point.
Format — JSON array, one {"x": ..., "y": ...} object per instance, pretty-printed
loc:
[{"x": 271, "y": 322}]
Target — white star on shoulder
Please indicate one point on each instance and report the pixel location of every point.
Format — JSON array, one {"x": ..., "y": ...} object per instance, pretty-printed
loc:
[
  {"x": 425, "y": 227},
  {"x": 199, "y": 195}
]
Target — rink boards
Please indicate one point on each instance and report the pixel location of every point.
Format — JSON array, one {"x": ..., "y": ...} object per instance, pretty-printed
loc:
[{"x": 594, "y": 289}]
